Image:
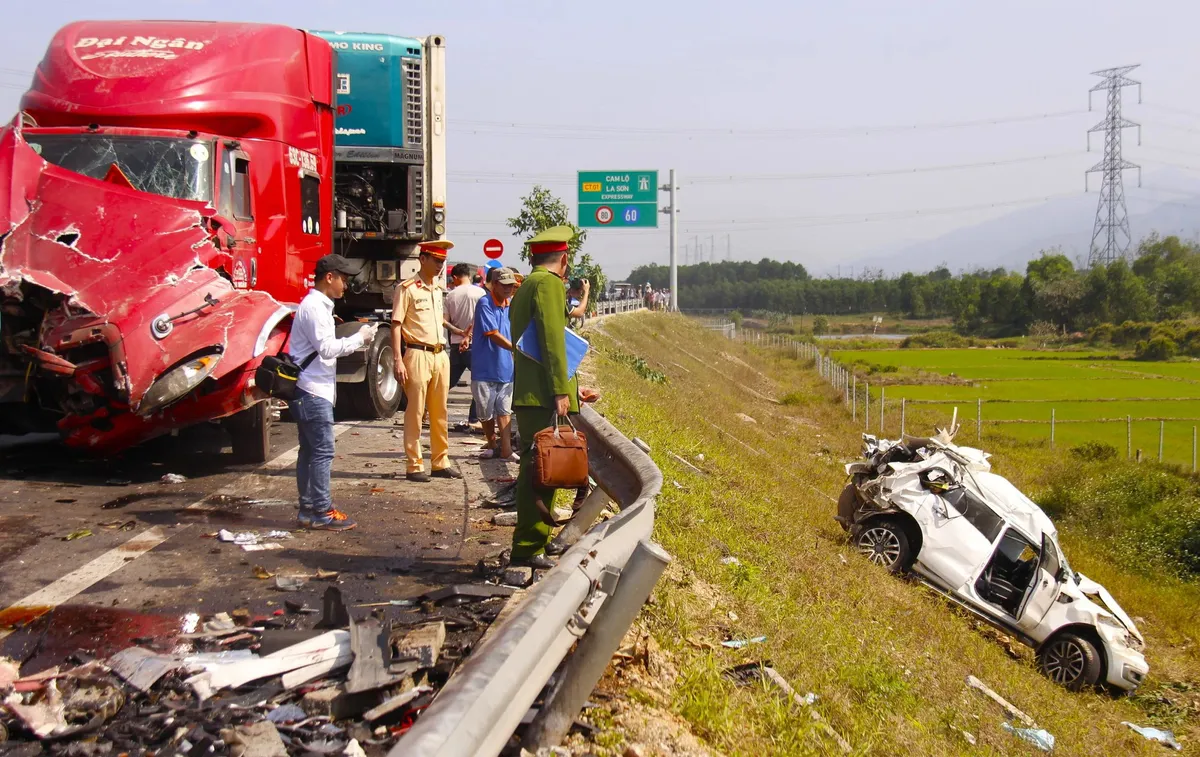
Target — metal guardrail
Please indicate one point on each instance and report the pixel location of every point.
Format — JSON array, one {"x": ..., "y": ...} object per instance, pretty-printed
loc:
[{"x": 590, "y": 597}]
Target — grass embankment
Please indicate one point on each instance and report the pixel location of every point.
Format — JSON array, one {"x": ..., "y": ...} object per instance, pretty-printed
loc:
[
  {"x": 1027, "y": 384},
  {"x": 886, "y": 657}
]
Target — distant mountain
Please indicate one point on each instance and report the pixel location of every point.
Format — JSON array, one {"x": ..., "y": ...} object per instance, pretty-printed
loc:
[{"x": 1171, "y": 205}]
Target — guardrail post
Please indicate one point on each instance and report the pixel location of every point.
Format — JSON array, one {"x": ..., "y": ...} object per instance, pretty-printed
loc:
[
  {"x": 854, "y": 397},
  {"x": 867, "y": 405},
  {"x": 1161, "y": 427},
  {"x": 882, "y": 401},
  {"x": 978, "y": 419},
  {"x": 1129, "y": 437},
  {"x": 1051, "y": 428},
  {"x": 903, "y": 400},
  {"x": 583, "y": 669}
]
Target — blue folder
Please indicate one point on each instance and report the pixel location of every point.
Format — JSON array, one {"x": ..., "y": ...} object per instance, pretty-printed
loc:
[{"x": 529, "y": 346}]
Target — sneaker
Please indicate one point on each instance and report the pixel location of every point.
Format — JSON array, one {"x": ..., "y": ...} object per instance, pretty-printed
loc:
[
  {"x": 305, "y": 518},
  {"x": 338, "y": 521}
]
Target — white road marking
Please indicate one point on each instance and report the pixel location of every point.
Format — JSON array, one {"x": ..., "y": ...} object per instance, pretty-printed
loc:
[{"x": 82, "y": 578}]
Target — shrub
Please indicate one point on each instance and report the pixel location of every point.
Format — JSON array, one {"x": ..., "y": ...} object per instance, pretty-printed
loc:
[
  {"x": 937, "y": 339},
  {"x": 1158, "y": 348},
  {"x": 1102, "y": 334},
  {"x": 1094, "y": 451},
  {"x": 820, "y": 325},
  {"x": 736, "y": 317}
]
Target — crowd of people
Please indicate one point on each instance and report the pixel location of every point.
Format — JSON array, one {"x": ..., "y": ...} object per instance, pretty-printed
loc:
[{"x": 475, "y": 324}]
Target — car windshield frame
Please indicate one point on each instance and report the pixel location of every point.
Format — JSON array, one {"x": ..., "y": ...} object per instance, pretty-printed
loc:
[{"x": 175, "y": 167}]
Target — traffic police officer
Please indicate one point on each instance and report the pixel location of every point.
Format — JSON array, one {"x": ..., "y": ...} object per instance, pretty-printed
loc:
[{"x": 424, "y": 371}]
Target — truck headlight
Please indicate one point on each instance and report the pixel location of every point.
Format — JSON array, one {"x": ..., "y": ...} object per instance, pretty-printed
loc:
[{"x": 176, "y": 383}]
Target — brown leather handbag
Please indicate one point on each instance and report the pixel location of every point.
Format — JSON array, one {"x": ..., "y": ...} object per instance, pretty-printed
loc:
[{"x": 560, "y": 456}]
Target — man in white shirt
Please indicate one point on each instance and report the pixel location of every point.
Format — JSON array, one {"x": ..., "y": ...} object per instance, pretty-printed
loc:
[
  {"x": 460, "y": 317},
  {"x": 315, "y": 348}
]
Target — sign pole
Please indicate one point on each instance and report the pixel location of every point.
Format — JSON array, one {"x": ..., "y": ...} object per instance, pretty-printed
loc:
[{"x": 673, "y": 213}]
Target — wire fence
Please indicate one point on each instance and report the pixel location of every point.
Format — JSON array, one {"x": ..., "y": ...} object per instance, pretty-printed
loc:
[{"x": 1169, "y": 436}]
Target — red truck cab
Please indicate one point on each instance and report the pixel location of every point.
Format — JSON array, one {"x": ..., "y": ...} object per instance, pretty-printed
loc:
[{"x": 163, "y": 198}]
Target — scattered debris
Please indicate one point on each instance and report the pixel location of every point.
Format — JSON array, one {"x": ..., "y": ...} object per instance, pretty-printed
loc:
[
  {"x": 142, "y": 668},
  {"x": 81, "y": 533},
  {"x": 290, "y": 583},
  {"x": 504, "y": 519},
  {"x": 370, "y": 643},
  {"x": 730, "y": 560},
  {"x": 254, "y": 542},
  {"x": 173, "y": 478},
  {"x": 518, "y": 576},
  {"x": 395, "y": 703},
  {"x": 641, "y": 445},
  {"x": 261, "y": 573},
  {"x": 758, "y": 671},
  {"x": 468, "y": 591},
  {"x": 1039, "y": 737},
  {"x": 423, "y": 644},
  {"x": 1166, "y": 738},
  {"x": 259, "y": 739},
  {"x": 967, "y": 735},
  {"x": 740, "y": 643},
  {"x": 1012, "y": 712},
  {"x": 745, "y": 418},
  {"x": 679, "y": 459},
  {"x": 286, "y": 713}
]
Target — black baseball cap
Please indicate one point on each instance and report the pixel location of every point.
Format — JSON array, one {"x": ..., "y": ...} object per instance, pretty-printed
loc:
[{"x": 336, "y": 263}]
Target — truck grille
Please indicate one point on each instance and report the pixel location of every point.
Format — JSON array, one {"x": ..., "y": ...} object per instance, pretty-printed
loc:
[
  {"x": 414, "y": 103},
  {"x": 418, "y": 209}
]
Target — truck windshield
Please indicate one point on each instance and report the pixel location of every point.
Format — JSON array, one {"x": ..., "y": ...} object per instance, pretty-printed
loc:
[{"x": 172, "y": 167}]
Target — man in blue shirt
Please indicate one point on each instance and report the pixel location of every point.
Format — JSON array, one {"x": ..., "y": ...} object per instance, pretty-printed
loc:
[{"x": 492, "y": 365}]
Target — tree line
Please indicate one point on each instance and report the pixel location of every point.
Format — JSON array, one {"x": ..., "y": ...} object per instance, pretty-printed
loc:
[{"x": 1161, "y": 282}]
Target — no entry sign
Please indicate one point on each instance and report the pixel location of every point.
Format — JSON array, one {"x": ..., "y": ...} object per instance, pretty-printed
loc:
[{"x": 493, "y": 248}]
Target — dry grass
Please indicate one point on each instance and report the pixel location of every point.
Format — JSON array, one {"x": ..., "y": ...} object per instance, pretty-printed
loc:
[{"x": 887, "y": 658}]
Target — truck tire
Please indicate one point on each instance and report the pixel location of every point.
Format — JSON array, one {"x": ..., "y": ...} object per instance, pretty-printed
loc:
[
  {"x": 379, "y": 395},
  {"x": 250, "y": 431},
  {"x": 1070, "y": 660}
]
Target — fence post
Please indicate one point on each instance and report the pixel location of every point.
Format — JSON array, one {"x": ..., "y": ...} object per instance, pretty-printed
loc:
[
  {"x": 1193, "y": 449},
  {"x": 867, "y": 405},
  {"x": 978, "y": 419},
  {"x": 903, "y": 400},
  {"x": 1161, "y": 426},
  {"x": 882, "y": 401},
  {"x": 1129, "y": 437},
  {"x": 854, "y": 397},
  {"x": 1051, "y": 428}
]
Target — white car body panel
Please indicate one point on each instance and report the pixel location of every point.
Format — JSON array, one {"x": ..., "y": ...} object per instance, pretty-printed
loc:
[{"x": 954, "y": 553}]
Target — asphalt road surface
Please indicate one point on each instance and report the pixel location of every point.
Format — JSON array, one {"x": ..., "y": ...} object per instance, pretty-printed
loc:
[{"x": 95, "y": 554}]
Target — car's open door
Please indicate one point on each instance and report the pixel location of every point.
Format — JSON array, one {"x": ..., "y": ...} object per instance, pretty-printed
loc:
[{"x": 1044, "y": 591}]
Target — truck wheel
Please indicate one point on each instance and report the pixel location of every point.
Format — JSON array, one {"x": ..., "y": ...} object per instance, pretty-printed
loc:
[
  {"x": 380, "y": 395},
  {"x": 883, "y": 542},
  {"x": 251, "y": 433},
  {"x": 1071, "y": 661}
]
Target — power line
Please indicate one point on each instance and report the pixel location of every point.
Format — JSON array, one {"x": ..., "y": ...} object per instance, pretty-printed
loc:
[{"x": 568, "y": 131}]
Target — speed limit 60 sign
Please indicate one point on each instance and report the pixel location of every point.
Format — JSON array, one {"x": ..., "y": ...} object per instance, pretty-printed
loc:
[{"x": 618, "y": 199}]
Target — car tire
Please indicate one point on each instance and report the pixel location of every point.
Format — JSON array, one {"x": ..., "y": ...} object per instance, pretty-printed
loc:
[
  {"x": 379, "y": 395},
  {"x": 884, "y": 542},
  {"x": 1070, "y": 660},
  {"x": 847, "y": 504},
  {"x": 250, "y": 431}
]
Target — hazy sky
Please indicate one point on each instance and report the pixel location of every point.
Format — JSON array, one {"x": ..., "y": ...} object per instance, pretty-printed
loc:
[{"x": 753, "y": 90}]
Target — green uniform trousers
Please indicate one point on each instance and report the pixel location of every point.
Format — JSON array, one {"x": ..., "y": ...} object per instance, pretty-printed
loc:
[{"x": 532, "y": 533}]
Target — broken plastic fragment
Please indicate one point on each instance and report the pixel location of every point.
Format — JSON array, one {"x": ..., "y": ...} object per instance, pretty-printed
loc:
[
  {"x": 1166, "y": 738},
  {"x": 1039, "y": 737},
  {"x": 173, "y": 478},
  {"x": 739, "y": 643}
]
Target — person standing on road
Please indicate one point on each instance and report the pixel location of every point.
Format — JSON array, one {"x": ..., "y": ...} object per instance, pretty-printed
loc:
[
  {"x": 424, "y": 371},
  {"x": 460, "y": 317},
  {"x": 542, "y": 392},
  {"x": 313, "y": 341},
  {"x": 492, "y": 366}
]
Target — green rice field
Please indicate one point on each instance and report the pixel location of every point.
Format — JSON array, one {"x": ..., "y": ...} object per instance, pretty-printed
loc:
[{"x": 1082, "y": 389}]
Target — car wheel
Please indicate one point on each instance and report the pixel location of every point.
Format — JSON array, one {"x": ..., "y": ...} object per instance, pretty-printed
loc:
[
  {"x": 847, "y": 504},
  {"x": 1071, "y": 661},
  {"x": 884, "y": 543}
]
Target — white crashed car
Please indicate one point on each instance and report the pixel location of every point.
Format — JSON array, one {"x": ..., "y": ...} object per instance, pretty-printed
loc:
[{"x": 934, "y": 508}]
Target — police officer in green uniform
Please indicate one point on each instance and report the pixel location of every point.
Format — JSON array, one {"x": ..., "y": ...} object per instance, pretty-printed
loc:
[{"x": 541, "y": 391}]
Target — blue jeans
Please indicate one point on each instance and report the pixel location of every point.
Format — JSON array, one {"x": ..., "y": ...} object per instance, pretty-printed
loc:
[
  {"x": 314, "y": 421},
  {"x": 460, "y": 363}
]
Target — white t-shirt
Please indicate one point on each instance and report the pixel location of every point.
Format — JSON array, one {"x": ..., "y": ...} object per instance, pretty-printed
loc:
[{"x": 460, "y": 307}]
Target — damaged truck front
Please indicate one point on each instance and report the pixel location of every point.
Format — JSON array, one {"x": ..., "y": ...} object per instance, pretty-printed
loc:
[{"x": 165, "y": 192}]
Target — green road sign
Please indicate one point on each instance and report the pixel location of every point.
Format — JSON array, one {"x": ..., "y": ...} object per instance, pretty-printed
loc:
[{"x": 618, "y": 199}]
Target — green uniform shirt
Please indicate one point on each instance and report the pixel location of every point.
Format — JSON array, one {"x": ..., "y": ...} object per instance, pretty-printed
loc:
[{"x": 542, "y": 299}]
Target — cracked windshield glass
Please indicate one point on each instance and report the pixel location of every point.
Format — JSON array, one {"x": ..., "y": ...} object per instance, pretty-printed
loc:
[{"x": 179, "y": 168}]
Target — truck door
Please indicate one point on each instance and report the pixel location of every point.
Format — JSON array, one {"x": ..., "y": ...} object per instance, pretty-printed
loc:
[{"x": 236, "y": 204}]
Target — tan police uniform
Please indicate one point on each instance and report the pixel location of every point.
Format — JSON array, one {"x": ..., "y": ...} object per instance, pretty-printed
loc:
[{"x": 417, "y": 309}]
